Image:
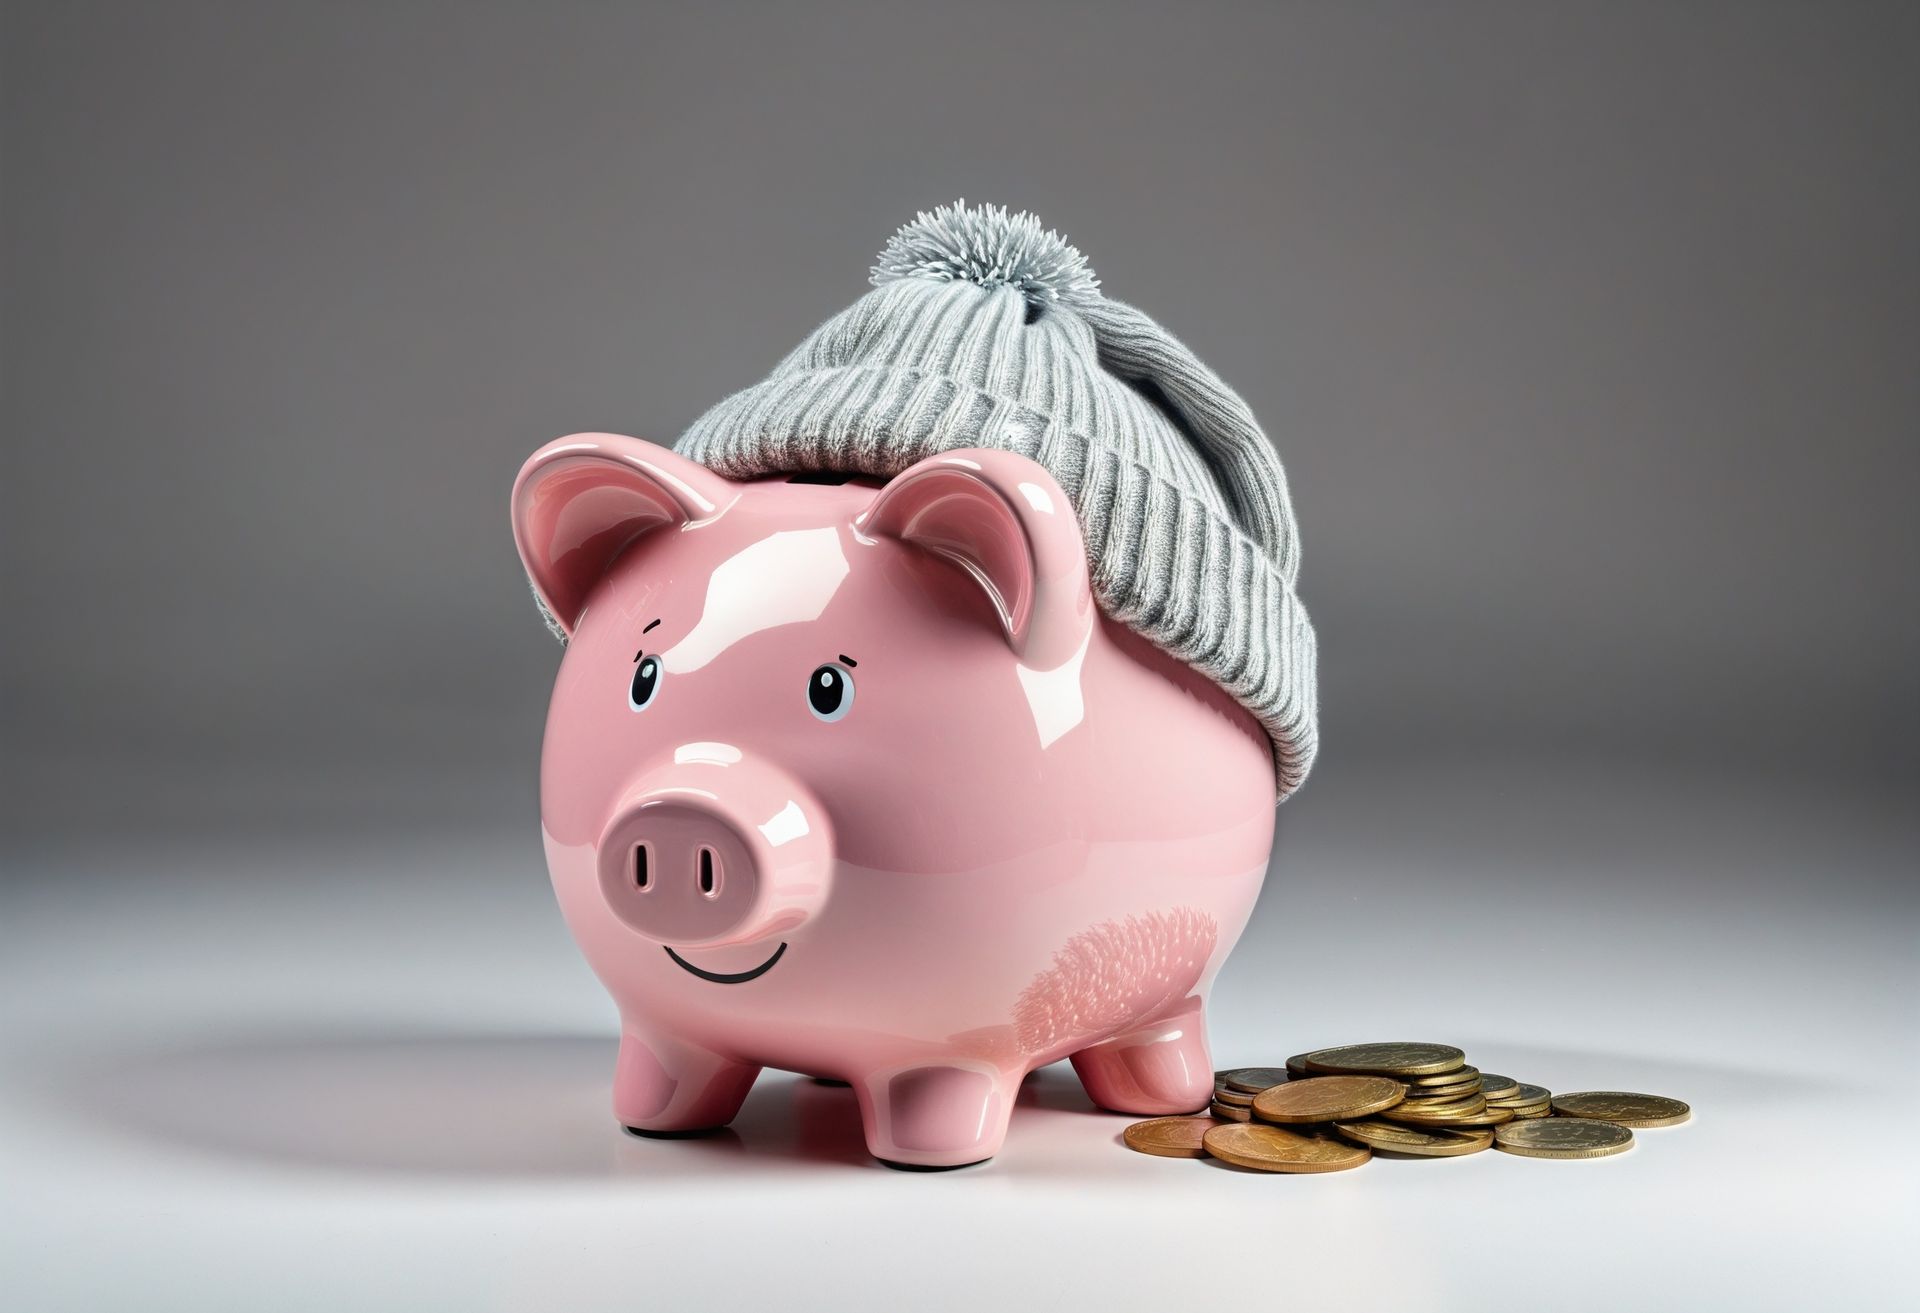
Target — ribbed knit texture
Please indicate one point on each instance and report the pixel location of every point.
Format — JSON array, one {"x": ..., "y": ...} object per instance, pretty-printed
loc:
[{"x": 985, "y": 332}]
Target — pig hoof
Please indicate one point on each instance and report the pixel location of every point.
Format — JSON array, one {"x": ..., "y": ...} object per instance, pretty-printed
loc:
[
  {"x": 935, "y": 1118},
  {"x": 694, "y": 1133},
  {"x": 676, "y": 1087},
  {"x": 929, "y": 1167},
  {"x": 1157, "y": 1071}
]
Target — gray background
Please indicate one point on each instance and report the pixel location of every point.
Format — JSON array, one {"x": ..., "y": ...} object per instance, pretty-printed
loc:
[{"x": 1588, "y": 335}]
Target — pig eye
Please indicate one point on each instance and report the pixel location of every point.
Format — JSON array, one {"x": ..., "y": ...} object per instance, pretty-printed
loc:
[
  {"x": 830, "y": 692},
  {"x": 646, "y": 683}
]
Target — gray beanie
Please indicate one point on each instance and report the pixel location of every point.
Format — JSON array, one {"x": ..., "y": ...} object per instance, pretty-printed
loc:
[{"x": 985, "y": 330}]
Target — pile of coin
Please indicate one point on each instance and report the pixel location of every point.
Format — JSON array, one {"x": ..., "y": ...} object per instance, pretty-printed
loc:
[{"x": 1331, "y": 1109}]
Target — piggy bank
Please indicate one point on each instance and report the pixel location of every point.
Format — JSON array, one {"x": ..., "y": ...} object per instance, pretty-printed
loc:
[{"x": 852, "y": 778}]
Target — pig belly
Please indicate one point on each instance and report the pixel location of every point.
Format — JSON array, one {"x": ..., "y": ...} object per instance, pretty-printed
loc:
[{"x": 1013, "y": 966}]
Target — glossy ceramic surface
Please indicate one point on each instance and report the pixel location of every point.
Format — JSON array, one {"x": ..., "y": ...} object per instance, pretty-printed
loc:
[{"x": 856, "y": 781}]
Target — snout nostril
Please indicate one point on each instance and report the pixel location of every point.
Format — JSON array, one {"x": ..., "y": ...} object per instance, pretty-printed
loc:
[
  {"x": 709, "y": 873},
  {"x": 642, "y": 874}
]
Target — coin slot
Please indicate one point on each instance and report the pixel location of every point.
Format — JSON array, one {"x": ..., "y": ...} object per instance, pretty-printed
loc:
[
  {"x": 642, "y": 867},
  {"x": 709, "y": 874}
]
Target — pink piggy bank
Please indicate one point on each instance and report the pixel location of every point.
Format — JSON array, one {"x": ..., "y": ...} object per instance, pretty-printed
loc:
[{"x": 854, "y": 780}]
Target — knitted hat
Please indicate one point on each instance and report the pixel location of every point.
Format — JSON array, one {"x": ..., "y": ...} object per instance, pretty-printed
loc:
[{"x": 985, "y": 330}]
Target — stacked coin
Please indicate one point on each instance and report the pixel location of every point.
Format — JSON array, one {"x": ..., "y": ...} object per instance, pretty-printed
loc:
[
  {"x": 1523, "y": 1101},
  {"x": 1329, "y": 1109}
]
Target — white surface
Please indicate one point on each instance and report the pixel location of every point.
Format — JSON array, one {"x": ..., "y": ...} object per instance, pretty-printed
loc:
[{"x": 373, "y": 1074}]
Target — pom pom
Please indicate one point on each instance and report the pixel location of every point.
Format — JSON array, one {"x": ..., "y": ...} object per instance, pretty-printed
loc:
[{"x": 993, "y": 248}]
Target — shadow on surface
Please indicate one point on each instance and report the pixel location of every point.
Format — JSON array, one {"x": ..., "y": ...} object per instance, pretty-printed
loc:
[
  {"x": 432, "y": 1104},
  {"x": 511, "y": 1106},
  {"x": 528, "y": 1106}
]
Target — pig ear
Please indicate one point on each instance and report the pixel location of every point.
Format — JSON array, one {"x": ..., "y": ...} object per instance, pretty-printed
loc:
[
  {"x": 1002, "y": 519},
  {"x": 581, "y": 501}
]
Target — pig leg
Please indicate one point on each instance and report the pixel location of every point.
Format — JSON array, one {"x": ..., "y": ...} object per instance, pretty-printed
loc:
[
  {"x": 670, "y": 1087},
  {"x": 1157, "y": 1070},
  {"x": 935, "y": 1117}
]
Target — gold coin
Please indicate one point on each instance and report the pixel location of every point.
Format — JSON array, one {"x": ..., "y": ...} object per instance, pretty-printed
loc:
[
  {"x": 1542, "y": 1106},
  {"x": 1403, "y": 1117},
  {"x": 1277, "y": 1149},
  {"x": 1169, "y": 1137},
  {"x": 1462, "y": 1103},
  {"x": 1621, "y": 1108},
  {"x": 1520, "y": 1114},
  {"x": 1525, "y": 1094},
  {"x": 1251, "y": 1080},
  {"x": 1488, "y": 1116},
  {"x": 1458, "y": 1076},
  {"x": 1228, "y": 1112},
  {"x": 1498, "y": 1087},
  {"x": 1419, "y": 1114},
  {"x": 1396, "y": 1058},
  {"x": 1427, "y": 1142},
  {"x": 1327, "y": 1098},
  {"x": 1563, "y": 1137},
  {"x": 1227, "y": 1094},
  {"x": 1459, "y": 1091}
]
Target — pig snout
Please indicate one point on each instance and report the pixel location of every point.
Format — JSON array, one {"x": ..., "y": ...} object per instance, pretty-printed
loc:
[{"x": 715, "y": 853}]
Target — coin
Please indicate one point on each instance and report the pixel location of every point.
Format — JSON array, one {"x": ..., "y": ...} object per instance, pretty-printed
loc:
[
  {"x": 1277, "y": 1149},
  {"x": 1621, "y": 1108},
  {"x": 1251, "y": 1080},
  {"x": 1228, "y": 1112},
  {"x": 1422, "y": 1114},
  {"x": 1524, "y": 1094},
  {"x": 1227, "y": 1094},
  {"x": 1396, "y": 1058},
  {"x": 1414, "y": 1117},
  {"x": 1327, "y": 1098},
  {"x": 1169, "y": 1137},
  {"x": 1498, "y": 1087},
  {"x": 1527, "y": 1110},
  {"x": 1563, "y": 1137},
  {"x": 1487, "y": 1116},
  {"x": 1427, "y": 1142},
  {"x": 1459, "y": 1075},
  {"x": 1459, "y": 1103},
  {"x": 1426, "y": 1112},
  {"x": 1443, "y": 1091},
  {"x": 1297, "y": 1066}
]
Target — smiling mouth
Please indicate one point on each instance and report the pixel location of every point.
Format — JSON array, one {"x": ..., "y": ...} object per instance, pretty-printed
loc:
[{"x": 729, "y": 977}]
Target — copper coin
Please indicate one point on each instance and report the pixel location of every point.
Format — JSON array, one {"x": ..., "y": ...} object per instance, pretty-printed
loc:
[
  {"x": 1621, "y": 1108},
  {"x": 1227, "y": 1094},
  {"x": 1228, "y": 1112},
  {"x": 1266, "y": 1148},
  {"x": 1327, "y": 1098},
  {"x": 1169, "y": 1137}
]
